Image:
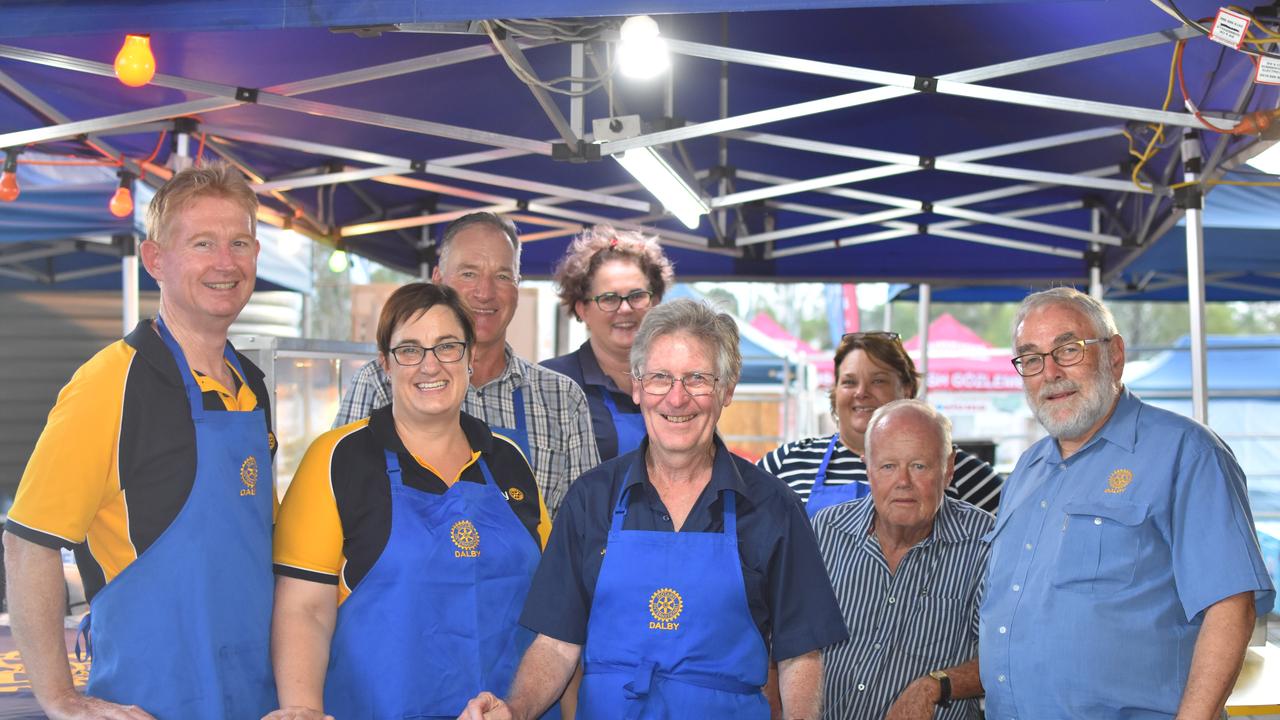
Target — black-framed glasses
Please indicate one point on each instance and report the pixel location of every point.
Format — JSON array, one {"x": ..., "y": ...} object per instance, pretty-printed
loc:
[
  {"x": 696, "y": 384},
  {"x": 1065, "y": 355},
  {"x": 610, "y": 301},
  {"x": 446, "y": 352},
  {"x": 877, "y": 334}
]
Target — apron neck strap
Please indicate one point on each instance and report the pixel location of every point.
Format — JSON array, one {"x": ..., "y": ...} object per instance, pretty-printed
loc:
[
  {"x": 728, "y": 499},
  {"x": 517, "y": 401},
  {"x": 393, "y": 468},
  {"x": 184, "y": 369}
]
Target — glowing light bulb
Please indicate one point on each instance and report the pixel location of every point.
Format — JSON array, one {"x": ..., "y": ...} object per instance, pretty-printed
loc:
[
  {"x": 9, "y": 189},
  {"x": 135, "y": 65},
  {"x": 338, "y": 261},
  {"x": 121, "y": 204},
  {"x": 642, "y": 53}
]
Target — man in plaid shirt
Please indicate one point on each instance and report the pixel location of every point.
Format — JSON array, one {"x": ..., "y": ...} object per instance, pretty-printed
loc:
[{"x": 542, "y": 411}]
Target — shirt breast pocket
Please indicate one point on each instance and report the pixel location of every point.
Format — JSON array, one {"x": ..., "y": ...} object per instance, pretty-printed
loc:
[{"x": 1099, "y": 548}]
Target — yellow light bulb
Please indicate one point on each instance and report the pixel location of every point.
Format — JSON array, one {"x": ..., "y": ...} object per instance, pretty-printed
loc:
[
  {"x": 135, "y": 65},
  {"x": 9, "y": 189},
  {"x": 121, "y": 204}
]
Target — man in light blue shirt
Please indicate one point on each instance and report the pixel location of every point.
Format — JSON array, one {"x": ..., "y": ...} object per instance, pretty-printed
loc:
[{"x": 1125, "y": 574}]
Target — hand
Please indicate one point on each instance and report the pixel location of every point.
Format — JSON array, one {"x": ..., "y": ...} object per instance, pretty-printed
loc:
[
  {"x": 71, "y": 705},
  {"x": 486, "y": 706},
  {"x": 917, "y": 701},
  {"x": 296, "y": 712}
]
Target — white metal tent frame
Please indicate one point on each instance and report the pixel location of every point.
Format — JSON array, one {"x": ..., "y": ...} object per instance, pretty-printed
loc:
[{"x": 433, "y": 175}]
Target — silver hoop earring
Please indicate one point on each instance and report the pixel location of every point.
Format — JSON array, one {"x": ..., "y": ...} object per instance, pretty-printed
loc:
[{"x": 470, "y": 370}]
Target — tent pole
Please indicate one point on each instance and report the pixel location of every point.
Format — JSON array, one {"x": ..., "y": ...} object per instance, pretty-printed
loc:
[
  {"x": 1195, "y": 275},
  {"x": 926, "y": 297},
  {"x": 129, "y": 281},
  {"x": 1095, "y": 256}
]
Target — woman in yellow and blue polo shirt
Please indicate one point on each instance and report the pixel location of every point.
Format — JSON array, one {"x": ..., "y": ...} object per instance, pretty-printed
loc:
[{"x": 428, "y": 524}]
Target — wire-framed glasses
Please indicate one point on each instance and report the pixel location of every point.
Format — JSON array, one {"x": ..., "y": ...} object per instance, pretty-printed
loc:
[
  {"x": 446, "y": 352},
  {"x": 696, "y": 384},
  {"x": 1065, "y": 355},
  {"x": 610, "y": 301}
]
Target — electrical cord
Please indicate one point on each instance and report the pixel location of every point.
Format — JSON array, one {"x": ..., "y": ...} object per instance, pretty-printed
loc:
[
  {"x": 1172, "y": 9},
  {"x": 521, "y": 29}
]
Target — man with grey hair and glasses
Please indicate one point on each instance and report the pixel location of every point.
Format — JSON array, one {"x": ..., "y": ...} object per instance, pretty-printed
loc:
[
  {"x": 542, "y": 411},
  {"x": 1125, "y": 575}
]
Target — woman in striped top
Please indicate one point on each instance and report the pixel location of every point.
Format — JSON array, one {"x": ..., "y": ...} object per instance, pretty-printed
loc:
[{"x": 872, "y": 369}]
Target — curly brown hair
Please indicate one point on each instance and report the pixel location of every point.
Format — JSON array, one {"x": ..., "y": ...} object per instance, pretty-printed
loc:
[{"x": 596, "y": 246}]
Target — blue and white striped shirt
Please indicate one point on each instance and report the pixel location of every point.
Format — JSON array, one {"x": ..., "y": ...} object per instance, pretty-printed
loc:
[{"x": 903, "y": 624}]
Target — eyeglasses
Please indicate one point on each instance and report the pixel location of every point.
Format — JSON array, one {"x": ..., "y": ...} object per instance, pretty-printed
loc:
[
  {"x": 610, "y": 301},
  {"x": 878, "y": 334},
  {"x": 1065, "y": 355},
  {"x": 446, "y": 352},
  {"x": 696, "y": 384}
]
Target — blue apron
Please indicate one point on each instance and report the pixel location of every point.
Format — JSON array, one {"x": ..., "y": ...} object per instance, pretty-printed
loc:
[
  {"x": 520, "y": 433},
  {"x": 435, "y": 620},
  {"x": 629, "y": 427},
  {"x": 183, "y": 631},
  {"x": 824, "y": 495},
  {"x": 670, "y": 633}
]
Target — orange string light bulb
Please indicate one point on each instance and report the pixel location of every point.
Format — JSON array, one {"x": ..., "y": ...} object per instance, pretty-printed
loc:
[
  {"x": 135, "y": 65},
  {"x": 121, "y": 204},
  {"x": 9, "y": 189}
]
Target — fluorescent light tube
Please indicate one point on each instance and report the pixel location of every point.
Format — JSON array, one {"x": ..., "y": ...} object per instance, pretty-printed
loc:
[{"x": 659, "y": 178}]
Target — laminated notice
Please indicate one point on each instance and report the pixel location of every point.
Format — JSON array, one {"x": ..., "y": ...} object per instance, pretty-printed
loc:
[
  {"x": 1268, "y": 71},
  {"x": 1229, "y": 28}
]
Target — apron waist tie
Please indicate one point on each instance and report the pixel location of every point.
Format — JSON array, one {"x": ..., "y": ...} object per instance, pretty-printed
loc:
[
  {"x": 642, "y": 677},
  {"x": 83, "y": 632}
]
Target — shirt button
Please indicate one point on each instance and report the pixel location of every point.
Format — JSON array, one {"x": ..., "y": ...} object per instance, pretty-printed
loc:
[
  {"x": 1062, "y": 466},
  {"x": 1027, "y": 546},
  {"x": 1016, "y": 587},
  {"x": 861, "y": 687},
  {"x": 1044, "y": 503},
  {"x": 999, "y": 678},
  {"x": 666, "y": 517},
  {"x": 876, "y": 646},
  {"x": 1097, "y": 521},
  {"x": 892, "y": 600},
  {"x": 1003, "y": 629}
]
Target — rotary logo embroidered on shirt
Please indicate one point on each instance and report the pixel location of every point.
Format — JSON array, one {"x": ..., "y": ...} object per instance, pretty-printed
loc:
[{"x": 1119, "y": 481}]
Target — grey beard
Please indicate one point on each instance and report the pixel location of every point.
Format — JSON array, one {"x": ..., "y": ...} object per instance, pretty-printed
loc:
[{"x": 1093, "y": 401}]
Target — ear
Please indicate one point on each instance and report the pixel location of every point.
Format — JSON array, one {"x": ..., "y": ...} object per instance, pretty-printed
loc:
[
  {"x": 151, "y": 253},
  {"x": 436, "y": 276},
  {"x": 951, "y": 466},
  {"x": 636, "y": 390},
  {"x": 579, "y": 308},
  {"x": 385, "y": 362},
  {"x": 1117, "y": 358},
  {"x": 728, "y": 397}
]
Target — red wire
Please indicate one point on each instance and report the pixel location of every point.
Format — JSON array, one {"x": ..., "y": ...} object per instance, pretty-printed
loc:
[{"x": 200, "y": 150}]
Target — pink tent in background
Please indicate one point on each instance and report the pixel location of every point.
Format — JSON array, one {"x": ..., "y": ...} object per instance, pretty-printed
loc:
[
  {"x": 821, "y": 359},
  {"x": 960, "y": 361}
]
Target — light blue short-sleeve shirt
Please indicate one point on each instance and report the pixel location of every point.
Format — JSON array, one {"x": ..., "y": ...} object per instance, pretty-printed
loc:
[{"x": 1102, "y": 565}]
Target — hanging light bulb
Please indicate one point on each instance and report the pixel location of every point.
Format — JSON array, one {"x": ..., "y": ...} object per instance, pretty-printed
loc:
[
  {"x": 338, "y": 261},
  {"x": 121, "y": 204},
  {"x": 135, "y": 65},
  {"x": 642, "y": 53},
  {"x": 9, "y": 189}
]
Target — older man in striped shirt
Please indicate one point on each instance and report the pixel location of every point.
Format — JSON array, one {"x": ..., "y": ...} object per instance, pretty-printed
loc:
[{"x": 906, "y": 564}]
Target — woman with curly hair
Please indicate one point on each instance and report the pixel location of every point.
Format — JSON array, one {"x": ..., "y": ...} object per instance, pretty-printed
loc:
[{"x": 609, "y": 279}]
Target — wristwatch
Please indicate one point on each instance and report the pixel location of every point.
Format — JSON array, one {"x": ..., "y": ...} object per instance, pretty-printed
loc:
[{"x": 944, "y": 681}]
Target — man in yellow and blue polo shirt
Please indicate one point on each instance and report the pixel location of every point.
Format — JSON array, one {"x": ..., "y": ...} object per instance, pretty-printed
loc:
[{"x": 156, "y": 465}]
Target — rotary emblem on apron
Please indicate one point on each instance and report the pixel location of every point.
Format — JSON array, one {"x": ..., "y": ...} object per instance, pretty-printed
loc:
[
  {"x": 465, "y": 538},
  {"x": 665, "y": 605},
  {"x": 249, "y": 476}
]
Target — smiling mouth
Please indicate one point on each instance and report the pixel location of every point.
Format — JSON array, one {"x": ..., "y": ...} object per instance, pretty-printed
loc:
[
  {"x": 483, "y": 311},
  {"x": 678, "y": 418},
  {"x": 431, "y": 385},
  {"x": 222, "y": 285}
]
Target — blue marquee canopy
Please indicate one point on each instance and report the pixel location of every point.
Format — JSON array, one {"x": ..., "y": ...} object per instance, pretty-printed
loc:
[{"x": 953, "y": 143}]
